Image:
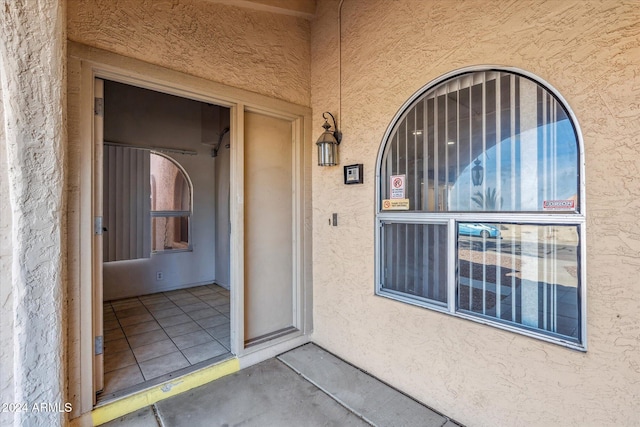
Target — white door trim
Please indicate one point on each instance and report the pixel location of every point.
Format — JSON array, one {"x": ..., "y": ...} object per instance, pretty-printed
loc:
[{"x": 84, "y": 65}]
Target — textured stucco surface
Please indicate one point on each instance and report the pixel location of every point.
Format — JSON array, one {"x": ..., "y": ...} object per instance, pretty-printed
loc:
[
  {"x": 33, "y": 96},
  {"x": 6, "y": 298},
  {"x": 590, "y": 52},
  {"x": 258, "y": 51}
]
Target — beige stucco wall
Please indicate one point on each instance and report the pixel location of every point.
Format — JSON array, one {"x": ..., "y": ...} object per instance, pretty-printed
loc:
[
  {"x": 590, "y": 52},
  {"x": 255, "y": 50}
]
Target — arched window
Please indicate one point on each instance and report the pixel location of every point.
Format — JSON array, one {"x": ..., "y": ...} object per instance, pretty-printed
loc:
[
  {"x": 171, "y": 200},
  {"x": 480, "y": 209}
]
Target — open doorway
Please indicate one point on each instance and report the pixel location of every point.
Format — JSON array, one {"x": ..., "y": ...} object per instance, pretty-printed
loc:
[
  {"x": 269, "y": 227},
  {"x": 166, "y": 234}
]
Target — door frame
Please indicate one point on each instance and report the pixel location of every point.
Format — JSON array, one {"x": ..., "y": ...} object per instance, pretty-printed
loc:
[{"x": 85, "y": 64}]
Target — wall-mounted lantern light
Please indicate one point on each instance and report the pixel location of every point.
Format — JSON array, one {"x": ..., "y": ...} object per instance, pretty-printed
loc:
[
  {"x": 328, "y": 143},
  {"x": 477, "y": 173}
]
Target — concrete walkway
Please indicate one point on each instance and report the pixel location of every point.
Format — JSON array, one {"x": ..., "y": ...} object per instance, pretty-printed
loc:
[{"x": 303, "y": 387}]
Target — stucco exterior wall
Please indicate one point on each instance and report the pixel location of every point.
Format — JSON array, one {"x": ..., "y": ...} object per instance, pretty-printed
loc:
[
  {"x": 6, "y": 297},
  {"x": 259, "y": 51},
  {"x": 32, "y": 235},
  {"x": 590, "y": 52}
]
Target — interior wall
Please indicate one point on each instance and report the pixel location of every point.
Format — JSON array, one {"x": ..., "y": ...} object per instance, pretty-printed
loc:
[
  {"x": 259, "y": 51},
  {"x": 479, "y": 375},
  {"x": 152, "y": 119}
]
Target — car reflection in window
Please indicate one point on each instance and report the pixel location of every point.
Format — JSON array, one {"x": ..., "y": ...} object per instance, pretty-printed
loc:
[{"x": 480, "y": 230}]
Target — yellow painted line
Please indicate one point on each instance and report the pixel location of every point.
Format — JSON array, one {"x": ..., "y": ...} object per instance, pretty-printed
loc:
[{"x": 126, "y": 405}]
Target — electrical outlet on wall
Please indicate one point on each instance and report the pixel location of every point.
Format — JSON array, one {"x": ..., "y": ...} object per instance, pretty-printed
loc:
[{"x": 159, "y": 275}]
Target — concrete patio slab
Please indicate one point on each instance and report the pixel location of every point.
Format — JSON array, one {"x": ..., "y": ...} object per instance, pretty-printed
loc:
[
  {"x": 141, "y": 418},
  {"x": 373, "y": 400},
  {"x": 267, "y": 394},
  {"x": 306, "y": 386}
]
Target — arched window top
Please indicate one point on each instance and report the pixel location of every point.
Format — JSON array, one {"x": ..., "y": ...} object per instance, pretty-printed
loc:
[
  {"x": 172, "y": 189},
  {"x": 171, "y": 205},
  {"x": 489, "y": 140}
]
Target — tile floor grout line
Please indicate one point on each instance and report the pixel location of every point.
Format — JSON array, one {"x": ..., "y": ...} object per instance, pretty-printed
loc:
[
  {"x": 139, "y": 302},
  {"x": 128, "y": 343}
]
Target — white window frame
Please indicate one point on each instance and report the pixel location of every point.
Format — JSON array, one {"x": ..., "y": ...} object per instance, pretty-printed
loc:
[{"x": 452, "y": 218}]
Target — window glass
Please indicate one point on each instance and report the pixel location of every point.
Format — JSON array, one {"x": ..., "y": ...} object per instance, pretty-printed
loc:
[
  {"x": 416, "y": 260},
  {"x": 520, "y": 273},
  {"x": 170, "y": 205},
  {"x": 169, "y": 233},
  {"x": 479, "y": 197},
  {"x": 171, "y": 190},
  {"x": 505, "y": 129}
]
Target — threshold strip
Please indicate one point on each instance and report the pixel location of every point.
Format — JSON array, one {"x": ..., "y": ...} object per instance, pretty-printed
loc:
[{"x": 148, "y": 397}]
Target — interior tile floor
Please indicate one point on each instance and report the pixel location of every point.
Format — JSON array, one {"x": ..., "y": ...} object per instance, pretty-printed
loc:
[{"x": 152, "y": 336}]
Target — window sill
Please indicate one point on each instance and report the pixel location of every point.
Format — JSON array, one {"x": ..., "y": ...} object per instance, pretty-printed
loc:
[{"x": 172, "y": 251}]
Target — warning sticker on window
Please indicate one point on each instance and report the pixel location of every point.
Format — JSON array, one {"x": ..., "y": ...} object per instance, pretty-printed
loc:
[
  {"x": 397, "y": 186},
  {"x": 395, "y": 205},
  {"x": 565, "y": 205}
]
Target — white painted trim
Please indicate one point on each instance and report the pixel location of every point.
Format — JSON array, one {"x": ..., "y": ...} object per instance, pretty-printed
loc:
[
  {"x": 85, "y": 84},
  {"x": 306, "y": 225},
  {"x": 98, "y": 256},
  {"x": 297, "y": 230},
  {"x": 236, "y": 216},
  {"x": 255, "y": 357}
]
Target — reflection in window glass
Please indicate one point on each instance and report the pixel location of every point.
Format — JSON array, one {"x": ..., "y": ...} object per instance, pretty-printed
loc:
[
  {"x": 515, "y": 131},
  {"x": 523, "y": 274},
  {"x": 170, "y": 233},
  {"x": 170, "y": 205},
  {"x": 416, "y": 260},
  {"x": 170, "y": 191}
]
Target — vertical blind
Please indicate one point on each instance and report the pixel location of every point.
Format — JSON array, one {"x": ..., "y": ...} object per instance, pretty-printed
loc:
[
  {"x": 126, "y": 213},
  {"x": 416, "y": 260}
]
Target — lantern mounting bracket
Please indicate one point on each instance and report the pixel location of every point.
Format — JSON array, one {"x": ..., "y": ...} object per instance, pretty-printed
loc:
[{"x": 336, "y": 133}]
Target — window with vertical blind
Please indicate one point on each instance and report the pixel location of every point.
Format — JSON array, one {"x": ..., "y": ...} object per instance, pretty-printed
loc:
[
  {"x": 147, "y": 203},
  {"x": 480, "y": 210}
]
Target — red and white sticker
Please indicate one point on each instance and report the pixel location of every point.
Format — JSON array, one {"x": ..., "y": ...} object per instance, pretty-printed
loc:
[
  {"x": 564, "y": 205},
  {"x": 397, "y": 186}
]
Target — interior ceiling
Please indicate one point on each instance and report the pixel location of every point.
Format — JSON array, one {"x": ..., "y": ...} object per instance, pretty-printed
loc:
[{"x": 301, "y": 8}]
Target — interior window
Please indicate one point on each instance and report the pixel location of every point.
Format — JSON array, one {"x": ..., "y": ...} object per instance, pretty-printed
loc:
[{"x": 170, "y": 205}]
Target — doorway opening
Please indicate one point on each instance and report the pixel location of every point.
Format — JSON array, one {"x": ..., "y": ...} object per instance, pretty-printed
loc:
[{"x": 166, "y": 237}]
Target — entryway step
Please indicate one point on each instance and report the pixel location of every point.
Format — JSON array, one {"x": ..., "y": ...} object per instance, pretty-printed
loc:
[{"x": 374, "y": 401}]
